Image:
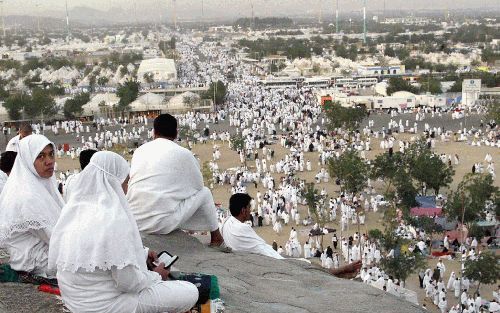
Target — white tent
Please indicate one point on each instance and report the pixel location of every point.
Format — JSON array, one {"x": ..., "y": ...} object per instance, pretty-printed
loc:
[
  {"x": 148, "y": 102},
  {"x": 99, "y": 102},
  {"x": 161, "y": 69}
]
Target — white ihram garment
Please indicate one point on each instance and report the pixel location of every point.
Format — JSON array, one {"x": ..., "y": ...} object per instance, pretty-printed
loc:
[
  {"x": 98, "y": 253},
  {"x": 241, "y": 237},
  {"x": 29, "y": 208},
  {"x": 166, "y": 190}
]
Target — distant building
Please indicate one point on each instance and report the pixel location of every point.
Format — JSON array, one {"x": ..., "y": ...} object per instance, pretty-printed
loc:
[
  {"x": 381, "y": 70},
  {"x": 161, "y": 70}
]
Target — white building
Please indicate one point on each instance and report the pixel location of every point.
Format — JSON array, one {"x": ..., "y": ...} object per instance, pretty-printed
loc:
[{"x": 161, "y": 70}]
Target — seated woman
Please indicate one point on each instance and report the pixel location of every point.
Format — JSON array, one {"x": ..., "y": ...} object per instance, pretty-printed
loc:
[
  {"x": 98, "y": 253},
  {"x": 30, "y": 206}
]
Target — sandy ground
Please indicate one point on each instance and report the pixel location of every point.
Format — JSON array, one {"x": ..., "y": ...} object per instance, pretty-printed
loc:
[{"x": 468, "y": 155}]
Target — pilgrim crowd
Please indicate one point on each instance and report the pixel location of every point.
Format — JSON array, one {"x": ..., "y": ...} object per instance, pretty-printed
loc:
[{"x": 82, "y": 228}]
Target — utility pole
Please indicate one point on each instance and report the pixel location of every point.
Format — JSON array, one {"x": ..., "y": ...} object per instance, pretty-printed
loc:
[
  {"x": 67, "y": 22},
  {"x": 175, "y": 13},
  {"x": 364, "y": 21},
  {"x": 252, "y": 22},
  {"x": 320, "y": 12},
  {"x": 3, "y": 18},
  {"x": 337, "y": 18},
  {"x": 202, "y": 12}
]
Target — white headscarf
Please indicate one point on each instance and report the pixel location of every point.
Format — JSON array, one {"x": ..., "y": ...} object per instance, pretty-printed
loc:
[
  {"x": 96, "y": 229},
  {"x": 29, "y": 201}
]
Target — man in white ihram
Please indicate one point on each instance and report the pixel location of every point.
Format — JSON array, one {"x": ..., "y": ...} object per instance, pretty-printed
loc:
[
  {"x": 166, "y": 189},
  {"x": 240, "y": 236}
]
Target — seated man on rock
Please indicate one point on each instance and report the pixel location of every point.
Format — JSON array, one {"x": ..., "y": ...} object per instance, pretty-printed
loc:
[
  {"x": 85, "y": 157},
  {"x": 240, "y": 236},
  {"x": 166, "y": 189}
]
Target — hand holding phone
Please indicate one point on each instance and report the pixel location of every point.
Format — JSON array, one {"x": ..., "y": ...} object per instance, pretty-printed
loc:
[
  {"x": 162, "y": 270},
  {"x": 166, "y": 258}
]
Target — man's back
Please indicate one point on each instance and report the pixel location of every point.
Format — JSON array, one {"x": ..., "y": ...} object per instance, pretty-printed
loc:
[
  {"x": 241, "y": 237},
  {"x": 162, "y": 174}
]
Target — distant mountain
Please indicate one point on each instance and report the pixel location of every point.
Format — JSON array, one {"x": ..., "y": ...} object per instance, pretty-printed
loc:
[
  {"x": 86, "y": 15},
  {"x": 32, "y": 22}
]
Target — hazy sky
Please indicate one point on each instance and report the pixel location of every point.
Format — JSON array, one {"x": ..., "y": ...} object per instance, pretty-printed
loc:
[{"x": 236, "y": 8}]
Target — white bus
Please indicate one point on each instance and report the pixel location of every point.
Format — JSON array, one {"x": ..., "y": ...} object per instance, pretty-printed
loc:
[
  {"x": 317, "y": 82},
  {"x": 278, "y": 83},
  {"x": 366, "y": 81}
]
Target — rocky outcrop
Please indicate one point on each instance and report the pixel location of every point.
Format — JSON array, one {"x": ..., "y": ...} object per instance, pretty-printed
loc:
[{"x": 249, "y": 283}]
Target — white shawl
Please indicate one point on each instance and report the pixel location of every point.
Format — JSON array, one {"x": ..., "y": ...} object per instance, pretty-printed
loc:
[
  {"x": 3, "y": 180},
  {"x": 28, "y": 201},
  {"x": 162, "y": 174},
  {"x": 96, "y": 229}
]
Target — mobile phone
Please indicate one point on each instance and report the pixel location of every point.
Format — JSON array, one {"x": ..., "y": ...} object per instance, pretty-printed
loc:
[{"x": 166, "y": 258}]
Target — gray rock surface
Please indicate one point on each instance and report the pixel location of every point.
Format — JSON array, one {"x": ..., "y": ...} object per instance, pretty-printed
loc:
[
  {"x": 253, "y": 283},
  {"x": 248, "y": 282}
]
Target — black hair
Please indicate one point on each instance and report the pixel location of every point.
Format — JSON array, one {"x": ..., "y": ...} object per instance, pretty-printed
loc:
[
  {"x": 7, "y": 161},
  {"x": 165, "y": 125},
  {"x": 25, "y": 127},
  {"x": 85, "y": 157},
  {"x": 237, "y": 202}
]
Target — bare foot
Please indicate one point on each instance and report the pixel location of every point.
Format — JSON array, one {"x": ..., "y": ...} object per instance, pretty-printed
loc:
[
  {"x": 347, "y": 271},
  {"x": 216, "y": 238}
]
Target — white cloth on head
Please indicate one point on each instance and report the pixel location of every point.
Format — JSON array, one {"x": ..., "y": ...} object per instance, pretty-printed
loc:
[
  {"x": 166, "y": 190},
  {"x": 95, "y": 219},
  {"x": 29, "y": 208},
  {"x": 13, "y": 144},
  {"x": 97, "y": 249},
  {"x": 241, "y": 237},
  {"x": 3, "y": 180}
]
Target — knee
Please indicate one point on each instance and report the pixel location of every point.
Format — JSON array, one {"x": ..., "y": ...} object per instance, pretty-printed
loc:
[
  {"x": 191, "y": 293},
  {"x": 206, "y": 195}
]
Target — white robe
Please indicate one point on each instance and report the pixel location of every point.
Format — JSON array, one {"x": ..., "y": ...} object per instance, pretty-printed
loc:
[
  {"x": 30, "y": 208},
  {"x": 166, "y": 190},
  {"x": 3, "y": 180},
  {"x": 241, "y": 237},
  {"x": 13, "y": 144}
]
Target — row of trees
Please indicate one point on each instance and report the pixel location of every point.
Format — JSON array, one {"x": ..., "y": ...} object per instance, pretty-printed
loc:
[{"x": 39, "y": 103}]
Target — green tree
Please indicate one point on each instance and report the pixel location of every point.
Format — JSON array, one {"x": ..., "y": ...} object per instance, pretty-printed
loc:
[
  {"x": 386, "y": 168},
  {"x": 41, "y": 104},
  {"x": 149, "y": 78},
  {"x": 457, "y": 86},
  {"x": 431, "y": 85},
  {"x": 350, "y": 169},
  {"x": 341, "y": 51},
  {"x": 74, "y": 106},
  {"x": 102, "y": 81},
  {"x": 341, "y": 117},
  {"x": 471, "y": 196},
  {"x": 314, "y": 201},
  {"x": 127, "y": 93},
  {"x": 389, "y": 51},
  {"x": 237, "y": 142},
  {"x": 399, "y": 84},
  {"x": 14, "y": 105},
  {"x": 427, "y": 168},
  {"x": 92, "y": 82},
  {"x": 402, "y": 265},
  {"x": 493, "y": 111},
  {"x": 485, "y": 269},
  {"x": 218, "y": 91},
  {"x": 206, "y": 172}
]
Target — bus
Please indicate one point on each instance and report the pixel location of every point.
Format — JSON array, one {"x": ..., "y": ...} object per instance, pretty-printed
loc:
[
  {"x": 366, "y": 81},
  {"x": 278, "y": 83}
]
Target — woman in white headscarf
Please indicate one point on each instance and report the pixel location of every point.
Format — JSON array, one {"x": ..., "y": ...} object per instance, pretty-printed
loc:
[
  {"x": 30, "y": 206},
  {"x": 98, "y": 253}
]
